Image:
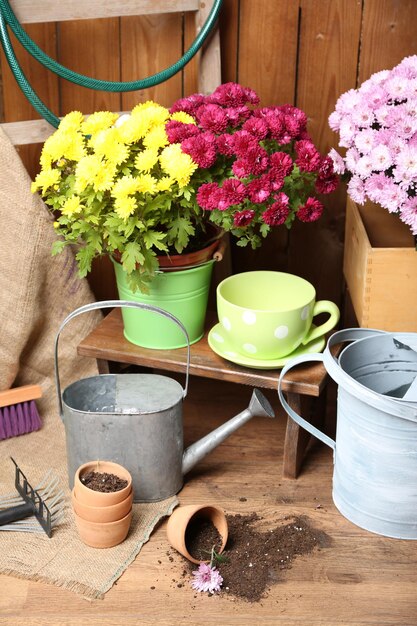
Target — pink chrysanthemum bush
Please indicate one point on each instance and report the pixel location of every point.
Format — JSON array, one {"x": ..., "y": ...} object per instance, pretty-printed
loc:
[
  {"x": 258, "y": 167},
  {"x": 377, "y": 124}
]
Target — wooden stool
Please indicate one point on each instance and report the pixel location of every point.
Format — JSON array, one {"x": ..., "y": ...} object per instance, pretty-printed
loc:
[{"x": 107, "y": 343}]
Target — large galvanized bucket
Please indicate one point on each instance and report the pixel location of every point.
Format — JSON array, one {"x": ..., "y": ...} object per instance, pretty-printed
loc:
[
  {"x": 375, "y": 452},
  {"x": 132, "y": 419}
]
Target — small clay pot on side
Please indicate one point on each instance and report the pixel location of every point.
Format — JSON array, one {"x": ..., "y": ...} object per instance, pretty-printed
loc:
[
  {"x": 184, "y": 515},
  {"x": 102, "y": 514},
  {"x": 98, "y": 535},
  {"x": 88, "y": 496}
]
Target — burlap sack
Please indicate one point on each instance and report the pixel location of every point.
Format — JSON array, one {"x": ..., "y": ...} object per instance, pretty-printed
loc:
[{"x": 37, "y": 291}]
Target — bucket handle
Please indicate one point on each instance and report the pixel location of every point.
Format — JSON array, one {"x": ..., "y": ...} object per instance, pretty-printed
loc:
[
  {"x": 330, "y": 362},
  {"x": 119, "y": 304}
]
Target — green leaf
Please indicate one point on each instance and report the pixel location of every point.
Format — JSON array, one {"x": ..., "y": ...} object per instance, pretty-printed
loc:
[
  {"x": 132, "y": 256},
  {"x": 58, "y": 247},
  {"x": 264, "y": 229},
  {"x": 84, "y": 259},
  {"x": 179, "y": 233},
  {"x": 155, "y": 239}
]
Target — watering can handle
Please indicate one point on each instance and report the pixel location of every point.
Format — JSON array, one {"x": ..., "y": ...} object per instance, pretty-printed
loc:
[
  {"x": 377, "y": 400},
  {"x": 297, "y": 418},
  {"x": 330, "y": 362},
  {"x": 335, "y": 371},
  {"x": 119, "y": 304}
]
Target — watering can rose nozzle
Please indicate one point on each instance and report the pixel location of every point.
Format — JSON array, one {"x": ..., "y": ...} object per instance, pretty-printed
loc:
[{"x": 258, "y": 406}]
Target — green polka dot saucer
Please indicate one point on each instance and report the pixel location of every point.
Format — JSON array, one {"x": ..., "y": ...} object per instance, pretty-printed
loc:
[{"x": 220, "y": 344}]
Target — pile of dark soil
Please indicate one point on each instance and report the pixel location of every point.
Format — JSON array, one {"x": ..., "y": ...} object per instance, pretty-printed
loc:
[
  {"x": 101, "y": 481},
  {"x": 256, "y": 558}
]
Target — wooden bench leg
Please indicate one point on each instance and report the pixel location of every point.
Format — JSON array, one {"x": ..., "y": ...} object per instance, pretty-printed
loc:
[
  {"x": 296, "y": 438},
  {"x": 103, "y": 366}
]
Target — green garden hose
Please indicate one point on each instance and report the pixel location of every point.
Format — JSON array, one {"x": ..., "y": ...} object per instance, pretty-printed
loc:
[{"x": 7, "y": 17}]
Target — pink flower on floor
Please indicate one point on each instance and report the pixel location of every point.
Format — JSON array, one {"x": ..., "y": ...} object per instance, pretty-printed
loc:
[{"x": 206, "y": 578}]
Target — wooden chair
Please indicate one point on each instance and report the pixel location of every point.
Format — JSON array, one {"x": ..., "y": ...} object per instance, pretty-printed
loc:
[{"x": 32, "y": 12}]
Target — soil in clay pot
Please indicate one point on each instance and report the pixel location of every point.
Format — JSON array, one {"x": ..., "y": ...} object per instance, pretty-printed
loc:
[
  {"x": 201, "y": 537},
  {"x": 256, "y": 557},
  {"x": 104, "y": 482}
]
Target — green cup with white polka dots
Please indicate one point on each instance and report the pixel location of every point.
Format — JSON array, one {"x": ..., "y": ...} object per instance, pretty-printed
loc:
[{"x": 267, "y": 315}]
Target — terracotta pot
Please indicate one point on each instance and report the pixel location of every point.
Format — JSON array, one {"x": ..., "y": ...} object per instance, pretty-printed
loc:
[
  {"x": 182, "y": 516},
  {"x": 104, "y": 514},
  {"x": 189, "y": 259},
  {"x": 93, "y": 498},
  {"x": 100, "y": 535}
]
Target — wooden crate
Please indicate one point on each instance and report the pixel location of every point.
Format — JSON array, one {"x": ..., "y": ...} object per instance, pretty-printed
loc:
[{"x": 380, "y": 268}]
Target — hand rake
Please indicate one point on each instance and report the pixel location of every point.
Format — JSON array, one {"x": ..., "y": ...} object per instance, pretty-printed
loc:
[{"x": 45, "y": 503}]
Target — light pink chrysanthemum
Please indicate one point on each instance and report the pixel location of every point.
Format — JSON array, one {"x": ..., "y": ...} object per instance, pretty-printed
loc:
[
  {"x": 347, "y": 133},
  {"x": 376, "y": 186},
  {"x": 381, "y": 158},
  {"x": 351, "y": 159},
  {"x": 393, "y": 197},
  {"x": 206, "y": 578},
  {"x": 356, "y": 190},
  {"x": 407, "y": 160},
  {"x": 363, "y": 117},
  {"x": 338, "y": 162},
  {"x": 364, "y": 166},
  {"x": 365, "y": 140},
  {"x": 408, "y": 213}
]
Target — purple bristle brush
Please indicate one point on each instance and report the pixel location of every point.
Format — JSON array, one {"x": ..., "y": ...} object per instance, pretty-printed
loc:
[{"x": 18, "y": 411}]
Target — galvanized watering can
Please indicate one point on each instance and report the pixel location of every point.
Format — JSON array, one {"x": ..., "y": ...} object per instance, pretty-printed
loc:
[
  {"x": 136, "y": 420},
  {"x": 375, "y": 452}
]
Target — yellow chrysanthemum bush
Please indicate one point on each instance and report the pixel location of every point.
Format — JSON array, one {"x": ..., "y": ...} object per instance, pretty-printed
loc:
[{"x": 117, "y": 186}]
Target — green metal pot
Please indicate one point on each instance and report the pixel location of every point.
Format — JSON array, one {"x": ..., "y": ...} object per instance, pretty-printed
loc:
[{"x": 183, "y": 293}]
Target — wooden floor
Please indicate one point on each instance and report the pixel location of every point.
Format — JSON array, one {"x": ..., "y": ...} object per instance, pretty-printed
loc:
[{"x": 360, "y": 579}]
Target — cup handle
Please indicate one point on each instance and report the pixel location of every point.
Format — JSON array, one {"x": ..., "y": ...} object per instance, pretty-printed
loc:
[{"x": 323, "y": 306}]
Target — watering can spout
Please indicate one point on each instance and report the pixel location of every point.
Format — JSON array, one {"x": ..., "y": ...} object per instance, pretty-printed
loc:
[{"x": 258, "y": 406}]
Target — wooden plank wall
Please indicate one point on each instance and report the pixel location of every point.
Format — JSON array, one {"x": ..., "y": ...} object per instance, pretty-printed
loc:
[{"x": 306, "y": 52}]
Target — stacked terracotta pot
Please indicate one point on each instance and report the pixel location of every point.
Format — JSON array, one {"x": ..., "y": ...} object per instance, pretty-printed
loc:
[{"x": 102, "y": 518}]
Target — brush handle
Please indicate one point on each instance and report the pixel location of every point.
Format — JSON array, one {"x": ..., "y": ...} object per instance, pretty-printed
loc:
[
  {"x": 20, "y": 394},
  {"x": 14, "y": 513}
]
